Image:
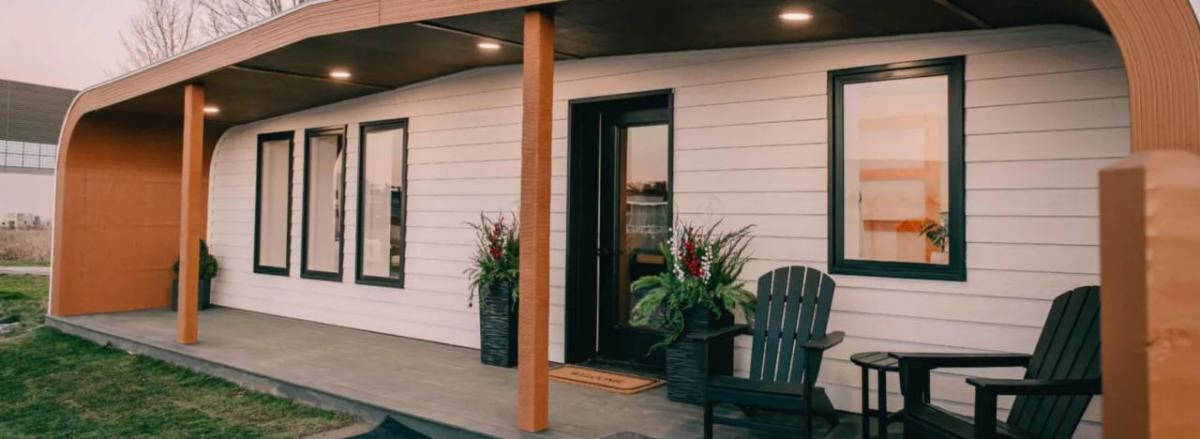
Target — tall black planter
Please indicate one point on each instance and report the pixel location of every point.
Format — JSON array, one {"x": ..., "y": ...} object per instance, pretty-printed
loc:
[
  {"x": 498, "y": 327},
  {"x": 203, "y": 293},
  {"x": 696, "y": 356}
]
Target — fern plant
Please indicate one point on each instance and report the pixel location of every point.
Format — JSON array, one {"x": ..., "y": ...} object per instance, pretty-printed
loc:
[{"x": 703, "y": 266}]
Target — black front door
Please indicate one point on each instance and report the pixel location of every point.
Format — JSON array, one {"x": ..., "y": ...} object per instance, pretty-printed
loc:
[{"x": 619, "y": 215}]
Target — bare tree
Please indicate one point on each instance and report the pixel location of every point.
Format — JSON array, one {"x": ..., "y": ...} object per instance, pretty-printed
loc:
[
  {"x": 168, "y": 27},
  {"x": 225, "y": 16},
  {"x": 165, "y": 28}
]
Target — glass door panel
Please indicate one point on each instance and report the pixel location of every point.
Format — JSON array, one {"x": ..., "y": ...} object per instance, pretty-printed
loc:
[{"x": 644, "y": 208}]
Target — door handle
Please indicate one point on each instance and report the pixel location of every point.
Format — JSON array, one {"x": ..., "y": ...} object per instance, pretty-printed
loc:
[{"x": 605, "y": 252}]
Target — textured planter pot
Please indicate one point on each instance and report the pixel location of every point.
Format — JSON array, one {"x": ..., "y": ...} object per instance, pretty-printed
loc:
[
  {"x": 498, "y": 327},
  {"x": 693, "y": 358},
  {"x": 204, "y": 293}
]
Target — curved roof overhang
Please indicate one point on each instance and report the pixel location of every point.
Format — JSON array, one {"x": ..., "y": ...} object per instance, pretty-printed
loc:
[{"x": 281, "y": 65}]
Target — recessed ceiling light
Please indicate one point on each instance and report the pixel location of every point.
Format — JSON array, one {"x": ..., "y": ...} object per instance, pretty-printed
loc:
[
  {"x": 489, "y": 46},
  {"x": 795, "y": 16},
  {"x": 339, "y": 74},
  {"x": 211, "y": 109}
]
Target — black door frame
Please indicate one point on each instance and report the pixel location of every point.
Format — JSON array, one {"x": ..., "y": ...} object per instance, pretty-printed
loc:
[{"x": 581, "y": 299}]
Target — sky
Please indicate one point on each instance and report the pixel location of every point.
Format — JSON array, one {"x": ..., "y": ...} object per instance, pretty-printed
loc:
[{"x": 63, "y": 43}]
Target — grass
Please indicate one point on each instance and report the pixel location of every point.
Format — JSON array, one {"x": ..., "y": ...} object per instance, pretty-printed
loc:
[
  {"x": 58, "y": 385},
  {"x": 23, "y": 301}
]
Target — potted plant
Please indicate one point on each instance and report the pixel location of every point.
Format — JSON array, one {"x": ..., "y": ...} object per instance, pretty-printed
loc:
[
  {"x": 493, "y": 276},
  {"x": 208, "y": 270},
  {"x": 698, "y": 292},
  {"x": 939, "y": 238}
]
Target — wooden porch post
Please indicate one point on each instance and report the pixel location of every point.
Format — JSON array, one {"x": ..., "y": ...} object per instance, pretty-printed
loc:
[
  {"x": 191, "y": 214},
  {"x": 534, "y": 326},
  {"x": 1150, "y": 251},
  {"x": 1149, "y": 239}
]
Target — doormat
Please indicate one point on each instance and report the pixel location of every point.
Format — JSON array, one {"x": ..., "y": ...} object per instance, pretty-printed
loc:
[{"x": 603, "y": 380}]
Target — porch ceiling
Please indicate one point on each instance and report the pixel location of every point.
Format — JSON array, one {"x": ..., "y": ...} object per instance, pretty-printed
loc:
[{"x": 295, "y": 77}]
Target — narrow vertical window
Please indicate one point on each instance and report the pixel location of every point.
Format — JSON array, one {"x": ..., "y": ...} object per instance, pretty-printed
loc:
[
  {"x": 897, "y": 170},
  {"x": 382, "y": 188},
  {"x": 273, "y": 204},
  {"x": 324, "y": 201}
]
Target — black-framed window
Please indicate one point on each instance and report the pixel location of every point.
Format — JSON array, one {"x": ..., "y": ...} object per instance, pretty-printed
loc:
[
  {"x": 896, "y": 170},
  {"x": 273, "y": 204},
  {"x": 382, "y": 202},
  {"x": 324, "y": 203}
]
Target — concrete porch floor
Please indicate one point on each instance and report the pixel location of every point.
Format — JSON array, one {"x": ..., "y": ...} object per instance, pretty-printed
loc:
[{"x": 438, "y": 389}]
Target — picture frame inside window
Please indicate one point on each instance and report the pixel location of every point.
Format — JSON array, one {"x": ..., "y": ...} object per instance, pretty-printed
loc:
[{"x": 897, "y": 170}]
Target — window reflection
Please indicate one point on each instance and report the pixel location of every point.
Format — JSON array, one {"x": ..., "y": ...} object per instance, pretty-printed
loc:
[
  {"x": 646, "y": 208},
  {"x": 273, "y": 215},
  {"x": 896, "y": 193},
  {"x": 382, "y": 222},
  {"x": 323, "y": 234}
]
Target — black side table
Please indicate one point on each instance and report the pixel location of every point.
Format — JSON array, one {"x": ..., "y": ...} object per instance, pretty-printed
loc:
[{"x": 881, "y": 363}]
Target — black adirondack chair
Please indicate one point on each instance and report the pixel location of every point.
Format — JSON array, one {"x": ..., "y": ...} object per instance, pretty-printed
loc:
[
  {"x": 1061, "y": 376},
  {"x": 789, "y": 341}
]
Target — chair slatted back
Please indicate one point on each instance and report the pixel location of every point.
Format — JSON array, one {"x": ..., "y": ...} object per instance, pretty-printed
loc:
[
  {"x": 1069, "y": 348},
  {"x": 793, "y": 307}
]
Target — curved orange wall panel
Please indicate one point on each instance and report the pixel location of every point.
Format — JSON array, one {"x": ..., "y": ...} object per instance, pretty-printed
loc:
[{"x": 118, "y": 214}]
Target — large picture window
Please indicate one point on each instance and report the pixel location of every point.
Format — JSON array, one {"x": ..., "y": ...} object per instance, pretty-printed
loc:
[
  {"x": 324, "y": 202},
  {"x": 382, "y": 202},
  {"x": 273, "y": 204},
  {"x": 896, "y": 162}
]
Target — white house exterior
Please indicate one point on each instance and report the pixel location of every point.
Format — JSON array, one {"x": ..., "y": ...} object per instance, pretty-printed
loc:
[{"x": 1046, "y": 109}]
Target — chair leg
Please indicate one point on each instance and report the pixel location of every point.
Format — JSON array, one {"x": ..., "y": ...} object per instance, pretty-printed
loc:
[
  {"x": 708, "y": 419},
  {"x": 808, "y": 416},
  {"x": 823, "y": 407}
]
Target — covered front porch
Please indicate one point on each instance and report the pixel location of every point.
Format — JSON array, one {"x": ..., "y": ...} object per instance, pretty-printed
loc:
[
  {"x": 127, "y": 208},
  {"x": 440, "y": 390}
]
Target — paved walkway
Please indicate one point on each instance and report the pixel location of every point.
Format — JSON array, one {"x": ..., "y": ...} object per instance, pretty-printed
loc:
[
  {"x": 36, "y": 271},
  {"x": 427, "y": 381}
]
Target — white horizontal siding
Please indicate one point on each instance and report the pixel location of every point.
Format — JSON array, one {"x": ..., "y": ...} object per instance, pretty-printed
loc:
[{"x": 1047, "y": 108}]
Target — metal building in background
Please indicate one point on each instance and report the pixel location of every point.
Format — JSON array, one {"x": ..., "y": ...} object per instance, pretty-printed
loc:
[{"x": 30, "y": 119}]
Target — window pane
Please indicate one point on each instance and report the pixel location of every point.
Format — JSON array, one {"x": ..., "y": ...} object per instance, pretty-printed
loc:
[
  {"x": 382, "y": 223},
  {"x": 273, "y": 204},
  {"x": 324, "y": 203},
  {"x": 896, "y": 196},
  {"x": 647, "y": 209}
]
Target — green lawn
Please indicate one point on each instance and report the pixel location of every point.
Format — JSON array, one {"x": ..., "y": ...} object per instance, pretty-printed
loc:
[
  {"x": 58, "y": 385},
  {"x": 23, "y": 300},
  {"x": 23, "y": 263}
]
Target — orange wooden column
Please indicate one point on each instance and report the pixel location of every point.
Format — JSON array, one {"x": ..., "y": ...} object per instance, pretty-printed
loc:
[
  {"x": 191, "y": 212},
  {"x": 534, "y": 327},
  {"x": 1150, "y": 242},
  {"x": 1150, "y": 251}
]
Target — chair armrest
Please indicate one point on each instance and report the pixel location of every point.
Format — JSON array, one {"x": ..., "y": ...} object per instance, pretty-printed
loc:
[
  {"x": 724, "y": 331},
  {"x": 937, "y": 360},
  {"x": 987, "y": 389},
  {"x": 829, "y": 340},
  {"x": 1036, "y": 387},
  {"x": 915, "y": 368}
]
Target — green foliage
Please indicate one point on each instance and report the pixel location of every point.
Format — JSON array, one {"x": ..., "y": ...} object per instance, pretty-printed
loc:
[
  {"x": 208, "y": 263},
  {"x": 23, "y": 301},
  {"x": 497, "y": 257},
  {"x": 937, "y": 233},
  {"x": 703, "y": 266}
]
